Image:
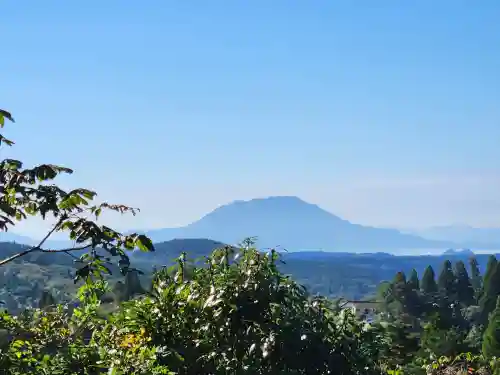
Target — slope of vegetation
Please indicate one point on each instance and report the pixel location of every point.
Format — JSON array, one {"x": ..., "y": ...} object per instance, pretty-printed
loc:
[{"x": 237, "y": 313}]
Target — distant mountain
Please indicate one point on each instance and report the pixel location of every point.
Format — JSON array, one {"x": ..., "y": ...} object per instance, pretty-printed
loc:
[
  {"x": 460, "y": 252},
  {"x": 488, "y": 238},
  {"x": 290, "y": 223},
  {"x": 25, "y": 240},
  {"x": 12, "y": 237}
]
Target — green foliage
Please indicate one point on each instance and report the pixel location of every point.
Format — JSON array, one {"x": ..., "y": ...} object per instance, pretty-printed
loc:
[
  {"x": 464, "y": 363},
  {"x": 437, "y": 341},
  {"x": 425, "y": 324},
  {"x": 491, "y": 339},
  {"x": 403, "y": 343},
  {"x": 233, "y": 316},
  {"x": 72, "y": 341}
]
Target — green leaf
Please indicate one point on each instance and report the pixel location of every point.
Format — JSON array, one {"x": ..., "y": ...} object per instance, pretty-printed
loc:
[
  {"x": 5, "y": 140},
  {"x": 7, "y": 115},
  {"x": 144, "y": 243},
  {"x": 82, "y": 273}
]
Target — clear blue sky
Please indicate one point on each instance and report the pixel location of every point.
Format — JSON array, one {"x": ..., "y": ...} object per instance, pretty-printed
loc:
[{"x": 383, "y": 112}]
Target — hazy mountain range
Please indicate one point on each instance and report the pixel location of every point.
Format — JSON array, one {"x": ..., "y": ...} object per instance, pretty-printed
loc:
[
  {"x": 461, "y": 234},
  {"x": 291, "y": 223}
]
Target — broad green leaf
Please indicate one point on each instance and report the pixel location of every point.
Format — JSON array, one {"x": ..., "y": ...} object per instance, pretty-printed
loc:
[
  {"x": 7, "y": 115},
  {"x": 144, "y": 243}
]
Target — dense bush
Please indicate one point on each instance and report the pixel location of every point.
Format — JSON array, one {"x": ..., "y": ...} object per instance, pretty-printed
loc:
[{"x": 230, "y": 317}]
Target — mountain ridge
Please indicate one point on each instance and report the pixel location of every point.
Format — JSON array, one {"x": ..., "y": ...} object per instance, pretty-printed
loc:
[
  {"x": 288, "y": 222},
  {"x": 291, "y": 223},
  {"x": 481, "y": 236}
]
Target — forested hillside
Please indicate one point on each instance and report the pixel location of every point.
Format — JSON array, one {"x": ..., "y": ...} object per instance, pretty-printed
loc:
[{"x": 334, "y": 275}]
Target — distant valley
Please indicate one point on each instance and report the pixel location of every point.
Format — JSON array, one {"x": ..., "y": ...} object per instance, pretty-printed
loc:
[{"x": 333, "y": 274}]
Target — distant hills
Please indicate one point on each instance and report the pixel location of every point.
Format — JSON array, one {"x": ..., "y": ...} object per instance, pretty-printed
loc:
[
  {"x": 334, "y": 274},
  {"x": 166, "y": 252},
  {"x": 291, "y": 223}
]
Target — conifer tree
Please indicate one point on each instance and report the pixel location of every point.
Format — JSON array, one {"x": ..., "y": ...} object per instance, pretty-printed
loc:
[
  {"x": 120, "y": 291},
  {"x": 399, "y": 285},
  {"x": 132, "y": 284},
  {"x": 414, "y": 305},
  {"x": 413, "y": 282},
  {"x": 395, "y": 293},
  {"x": 465, "y": 292},
  {"x": 491, "y": 338},
  {"x": 475, "y": 278},
  {"x": 491, "y": 291},
  {"x": 447, "y": 281},
  {"x": 46, "y": 300},
  {"x": 490, "y": 268},
  {"x": 428, "y": 283}
]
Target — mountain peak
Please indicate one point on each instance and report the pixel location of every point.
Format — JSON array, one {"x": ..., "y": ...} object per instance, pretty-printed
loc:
[
  {"x": 281, "y": 202},
  {"x": 292, "y": 223},
  {"x": 270, "y": 208},
  {"x": 284, "y": 199}
]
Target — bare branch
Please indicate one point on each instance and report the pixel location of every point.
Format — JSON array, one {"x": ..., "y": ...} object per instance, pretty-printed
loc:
[
  {"x": 18, "y": 255},
  {"x": 60, "y": 221},
  {"x": 65, "y": 250},
  {"x": 34, "y": 248}
]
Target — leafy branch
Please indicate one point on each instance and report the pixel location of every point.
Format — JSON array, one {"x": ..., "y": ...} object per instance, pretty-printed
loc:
[{"x": 25, "y": 192}]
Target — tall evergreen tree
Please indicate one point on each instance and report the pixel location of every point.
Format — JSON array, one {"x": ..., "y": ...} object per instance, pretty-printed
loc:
[
  {"x": 395, "y": 294},
  {"x": 46, "y": 300},
  {"x": 413, "y": 282},
  {"x": 133, "y": 284},
  {"x": 465, "y": 292},
  {"x": 428, "y": 283},
  {"x": 120, "y": 291},
  {"x": 447, "y": 281},
  {"x": 414, "y": 305},
  {"x": 491, "y": 337},
  {"x": 491, "y": 291},
  {"x": 399, "y": 286},
  {"x": 475, "y": 278},
  {"x": 490, "y": 268},
  {"x": 124, "y": 291}
]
